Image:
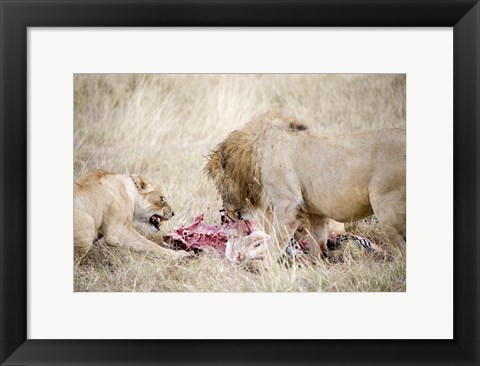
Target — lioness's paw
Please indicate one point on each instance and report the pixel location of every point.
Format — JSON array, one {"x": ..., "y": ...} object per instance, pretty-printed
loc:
[{"x": 180, "y": 254}]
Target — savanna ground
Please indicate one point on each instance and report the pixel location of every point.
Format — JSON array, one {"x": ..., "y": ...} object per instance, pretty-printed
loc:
[{"x": 163, "y": 126}]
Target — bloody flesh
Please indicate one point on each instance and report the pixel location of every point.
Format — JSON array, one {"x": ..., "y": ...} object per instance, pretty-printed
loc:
[
  {"x": 213, "y": 238},
  {"x": 208, "y": 238}
]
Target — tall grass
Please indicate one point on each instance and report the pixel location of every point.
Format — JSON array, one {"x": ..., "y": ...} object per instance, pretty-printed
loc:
[{"x": 162, "y": 126}]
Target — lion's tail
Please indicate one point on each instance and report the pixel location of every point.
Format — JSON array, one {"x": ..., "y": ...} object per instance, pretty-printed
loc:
[{"x": 269, "y": 120}]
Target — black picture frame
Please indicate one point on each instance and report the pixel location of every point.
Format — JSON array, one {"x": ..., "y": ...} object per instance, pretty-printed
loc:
[{"x": 17, "y": 15}]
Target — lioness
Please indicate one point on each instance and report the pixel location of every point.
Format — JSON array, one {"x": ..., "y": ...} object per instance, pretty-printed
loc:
[
  {"x": 106, "y": 205},
  {"x": 274, "y": 165}
]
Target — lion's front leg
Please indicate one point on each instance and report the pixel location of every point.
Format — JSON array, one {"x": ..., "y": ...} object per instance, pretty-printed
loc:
[
  {"x": 319, "y": 232},
  {"x": 130, "y": 238},
  {"x": 285, "y": 223}
]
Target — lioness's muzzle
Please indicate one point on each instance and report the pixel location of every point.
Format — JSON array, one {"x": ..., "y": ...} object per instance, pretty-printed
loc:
[{"x": 156, "y": 220}]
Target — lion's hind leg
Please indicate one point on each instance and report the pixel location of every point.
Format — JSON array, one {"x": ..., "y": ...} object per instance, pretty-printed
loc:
[
  {"x": 390, "y": 210},
  {"x": 83, "y": 234}
]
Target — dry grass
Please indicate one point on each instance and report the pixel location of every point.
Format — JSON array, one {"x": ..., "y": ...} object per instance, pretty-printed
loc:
[{"x": 162, "y": 126}]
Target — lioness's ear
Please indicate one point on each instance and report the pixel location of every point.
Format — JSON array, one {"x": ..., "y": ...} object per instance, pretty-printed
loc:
[{"x": 141, "y": 183}]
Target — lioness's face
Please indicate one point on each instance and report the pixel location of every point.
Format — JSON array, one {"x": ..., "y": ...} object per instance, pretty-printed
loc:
[
  {"x": 250, "y": 247},
  {"x": 150, "y": 206}
]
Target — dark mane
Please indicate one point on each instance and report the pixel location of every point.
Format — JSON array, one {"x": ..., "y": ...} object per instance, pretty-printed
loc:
[{"x": 234, "y": 165}]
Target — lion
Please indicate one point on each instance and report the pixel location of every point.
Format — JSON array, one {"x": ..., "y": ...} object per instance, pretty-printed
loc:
[
  {"x": 107, "y": 204},
  {"x": 276, "y": 168}
]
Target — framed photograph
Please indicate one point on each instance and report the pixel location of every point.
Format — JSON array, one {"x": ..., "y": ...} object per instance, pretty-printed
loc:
[
  {"x": 233, "y": 182},
  {"x": 193, "y": 231}
]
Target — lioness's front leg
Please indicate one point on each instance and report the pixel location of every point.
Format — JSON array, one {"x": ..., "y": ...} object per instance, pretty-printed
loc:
[{"x": 128, "y": 237}]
